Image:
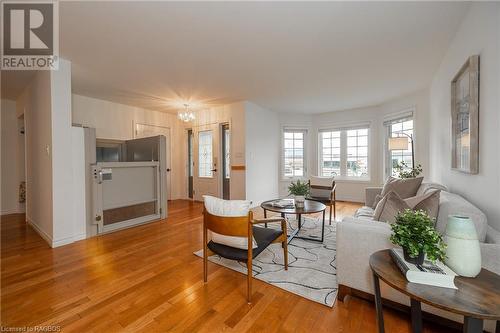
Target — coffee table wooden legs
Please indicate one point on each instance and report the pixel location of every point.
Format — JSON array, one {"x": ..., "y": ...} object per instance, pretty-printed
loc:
[
  {"x": 416, "y": 310},
  {"x": 378, "y": 304},
  {"x": 416, "y": 316},
  {"x": 473, "y": 325}
]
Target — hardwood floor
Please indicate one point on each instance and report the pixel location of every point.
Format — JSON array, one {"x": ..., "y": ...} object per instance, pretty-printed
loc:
[{"x": 147, "y": 279}]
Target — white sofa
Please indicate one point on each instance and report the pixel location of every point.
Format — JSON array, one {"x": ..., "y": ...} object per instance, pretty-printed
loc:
[{"x": 360, "y": 236}]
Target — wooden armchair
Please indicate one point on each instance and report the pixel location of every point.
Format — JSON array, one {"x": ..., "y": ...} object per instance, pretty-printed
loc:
[
  {"x": 243, "y": 226},
  {"x": 323, "y": 190}
]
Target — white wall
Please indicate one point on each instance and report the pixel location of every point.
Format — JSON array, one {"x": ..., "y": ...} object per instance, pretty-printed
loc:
[
  {"x": 117, "y": 121},
  {"x": 479, "y": 33},
  {"x": 10, "y": 169},
  {"x": 262, "y": 137},
  {"x": 35, "y": 103},
  {"x": 65, "y": 229},
  {"x": 354, "y": 190},
  {"x": 50, "y": 183}
]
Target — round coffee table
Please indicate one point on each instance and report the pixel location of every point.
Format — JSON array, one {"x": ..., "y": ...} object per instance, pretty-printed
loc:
[
  {"x": 476, "y": 298},
  {"x": 310, "y": 207}
]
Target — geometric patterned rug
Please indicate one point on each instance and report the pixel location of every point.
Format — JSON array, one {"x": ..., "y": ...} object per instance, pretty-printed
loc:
[{"x": 312, "y": 271}]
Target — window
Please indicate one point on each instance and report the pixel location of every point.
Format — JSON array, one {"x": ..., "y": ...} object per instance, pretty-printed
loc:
[
  {"x": 344, "y": 153},
  {"x": 330, "y": 148},
  {"x": 227, "y": 153},
  {"x": 357, "y": 153},
  {"x": 399, "y": 128},
  {"x": 205, "y": 154},
  {"x": 293, "y": 153}
]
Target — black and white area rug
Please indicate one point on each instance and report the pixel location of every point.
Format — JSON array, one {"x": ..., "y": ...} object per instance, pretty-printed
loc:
[{"x": 311, "y": 271}]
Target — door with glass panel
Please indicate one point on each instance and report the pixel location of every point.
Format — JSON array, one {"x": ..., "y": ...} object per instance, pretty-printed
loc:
[{"x": 206, "y": 180}]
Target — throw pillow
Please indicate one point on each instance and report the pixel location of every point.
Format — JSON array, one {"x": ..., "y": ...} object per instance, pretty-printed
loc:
[
  {"x": 405, "y": 188},
  {"x": 387, "y": 208},
  {"x": 377, "y": 199},
  {"x": 428, "y": 202},
  {"x": 229, "y": 208}
]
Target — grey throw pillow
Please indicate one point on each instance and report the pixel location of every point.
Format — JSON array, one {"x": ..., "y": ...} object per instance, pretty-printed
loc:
[
  {"x": 387, "y": 208},
  {"x": 405, "y": 188},
  {"x": 429, "y": 202}
]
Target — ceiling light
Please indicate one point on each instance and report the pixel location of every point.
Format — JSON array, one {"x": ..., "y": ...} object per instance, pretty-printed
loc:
[{"x": 186, "y": 115}]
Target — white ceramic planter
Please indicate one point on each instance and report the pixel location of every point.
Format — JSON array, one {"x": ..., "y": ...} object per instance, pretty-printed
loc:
[
  {"x": 463, "y": 254},
  {"x": 299, "y": 201}
]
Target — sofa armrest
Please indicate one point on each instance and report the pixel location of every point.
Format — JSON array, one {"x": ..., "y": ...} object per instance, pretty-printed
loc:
[
  {"x": 356, "y": 240},
  {"x": 370, "y": 194}
]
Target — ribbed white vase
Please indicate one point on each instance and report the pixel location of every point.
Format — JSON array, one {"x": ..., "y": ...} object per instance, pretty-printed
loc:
[{"x": 462, "y": 252}]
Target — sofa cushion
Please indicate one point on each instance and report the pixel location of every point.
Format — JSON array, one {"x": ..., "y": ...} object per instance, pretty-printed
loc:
[
  {"x": 228, "y": 208},
  {"x": 428, "y": 202},
  {"x": 405, "y": 188},
  {"x": 454, "y": 204},
  {"x": 364, "y": 213},
  {"x": 387, "y": 208}
]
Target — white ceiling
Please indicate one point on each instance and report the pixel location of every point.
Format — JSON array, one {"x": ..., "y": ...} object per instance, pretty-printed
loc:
[{"x": 287, "y": 57}]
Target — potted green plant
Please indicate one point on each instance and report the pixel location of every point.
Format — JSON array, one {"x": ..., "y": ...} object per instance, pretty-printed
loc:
[
  {"x": 405, "y": 171},
  {"x": 414, "y": 232},
  {"x": 299, "y": 190}
]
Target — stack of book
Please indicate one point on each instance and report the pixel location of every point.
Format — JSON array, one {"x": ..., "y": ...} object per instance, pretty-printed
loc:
[
  {"x": 283, "y": 203},
  {"x": 437, "y": 274}
]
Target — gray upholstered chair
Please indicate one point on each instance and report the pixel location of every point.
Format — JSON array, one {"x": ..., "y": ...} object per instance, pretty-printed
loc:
[
  {"x": 322, "y": 189},
  {"x": 241, "y": 226}
]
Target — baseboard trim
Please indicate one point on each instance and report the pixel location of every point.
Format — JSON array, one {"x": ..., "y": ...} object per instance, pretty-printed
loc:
[
  {"x": 344, "y": 291},
  {"x": 50, "y": 241},
  {"x": 39, "y": 231},
  {"x": 10, "y": 212}
]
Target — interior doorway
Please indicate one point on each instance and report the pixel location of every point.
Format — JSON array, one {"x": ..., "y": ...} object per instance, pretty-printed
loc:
[
  {"x": 190, "y": 164},
  {"x": 226, "y": 163},
  {"x": 207, "y": 172},
  {"x": 143, "y": 131}
]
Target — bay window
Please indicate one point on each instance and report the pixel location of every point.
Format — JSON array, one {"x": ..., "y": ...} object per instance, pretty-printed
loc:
[{"x": 344, "y": 152}]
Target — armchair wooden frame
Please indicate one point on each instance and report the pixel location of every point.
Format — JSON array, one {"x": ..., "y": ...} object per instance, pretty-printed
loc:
[
  {"x": 328, "y": 201},
  {"x": 240, "y": 227}
]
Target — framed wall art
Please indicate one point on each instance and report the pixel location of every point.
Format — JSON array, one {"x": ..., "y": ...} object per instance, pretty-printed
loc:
[{"x": 465, "y": 117}]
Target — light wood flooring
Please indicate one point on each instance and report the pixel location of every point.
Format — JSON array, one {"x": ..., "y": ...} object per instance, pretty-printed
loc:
[{"x": 146, "y": 279}]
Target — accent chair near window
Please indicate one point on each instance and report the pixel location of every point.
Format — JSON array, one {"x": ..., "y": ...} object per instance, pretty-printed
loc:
[{"x": 322, "y": 189}]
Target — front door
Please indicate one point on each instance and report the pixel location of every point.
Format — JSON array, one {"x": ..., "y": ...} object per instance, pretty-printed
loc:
[
  {"x": 144, "y": 131},
  {"x": 206, "y": 180}
]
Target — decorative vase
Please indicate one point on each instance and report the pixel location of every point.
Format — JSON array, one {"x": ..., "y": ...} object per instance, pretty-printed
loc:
[
  {"x": 299, "y": 201},
  {"x": 463, "y": 254},
  {"x": 418, "y": 260}
]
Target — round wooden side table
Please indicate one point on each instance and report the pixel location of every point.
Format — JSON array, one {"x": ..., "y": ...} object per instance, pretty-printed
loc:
[{"x": 476, "y": 298}]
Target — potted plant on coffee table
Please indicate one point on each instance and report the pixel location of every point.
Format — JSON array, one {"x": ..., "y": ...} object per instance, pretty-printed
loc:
[
  {"x": 414, "y": 232},
  {"x": 299, "y": 190}
]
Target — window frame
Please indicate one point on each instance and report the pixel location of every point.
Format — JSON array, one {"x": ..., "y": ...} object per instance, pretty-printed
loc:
[
  {"x": 396, "y": 119},
  {"x": 343, "y": 152},
  {"x": 304, "y": 152}
]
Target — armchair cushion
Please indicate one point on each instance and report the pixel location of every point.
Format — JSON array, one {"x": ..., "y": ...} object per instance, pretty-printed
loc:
[
  {"x": 320, "y": 188},
  {"x": 263, "y": 237},
  {"x": 228, "y": 208}
]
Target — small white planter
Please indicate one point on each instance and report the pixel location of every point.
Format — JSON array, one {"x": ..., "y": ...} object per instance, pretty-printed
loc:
[{"x": 299, "y": 201}]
